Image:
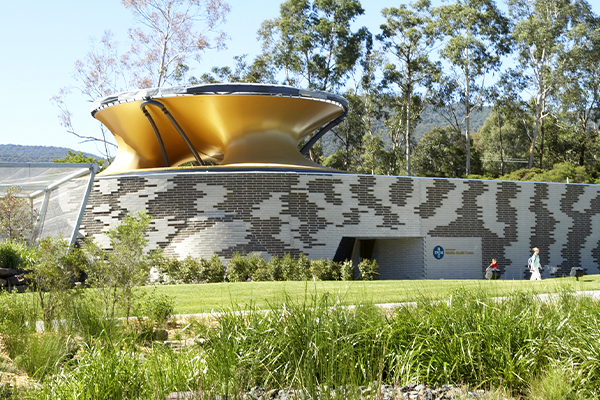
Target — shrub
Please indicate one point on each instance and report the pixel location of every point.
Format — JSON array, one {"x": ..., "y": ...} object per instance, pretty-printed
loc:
[
  {"x": 260, "y": 269},
  {"x": 289, "y": 268},
  {"x": 303, "y": 267},
  {"x": 275, "y": 268},
  {"x": 158, "y": 308},
  {"x": 213, "y": 270},
  {"x": 188, "y": 270},
  {"x": 239, "y": 268},
  {"x": 347, "y": 270},
  {"x": 334, "y": 270},
  {"x": 369, "y": 269},
  {"x": 16, "y": 255},
  {"x": 53, "y": 275},
  {"x": 318, "y": 269},
  {"x": 116, "y": 274}
]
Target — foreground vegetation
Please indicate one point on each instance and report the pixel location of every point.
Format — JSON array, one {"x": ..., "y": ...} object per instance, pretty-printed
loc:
[{"x": 519, "y": 346}]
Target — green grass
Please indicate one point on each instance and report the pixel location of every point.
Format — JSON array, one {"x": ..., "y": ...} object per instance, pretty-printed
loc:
[
  {"x": 523, "y": 346},
  {"x": 190, "y": 299}
]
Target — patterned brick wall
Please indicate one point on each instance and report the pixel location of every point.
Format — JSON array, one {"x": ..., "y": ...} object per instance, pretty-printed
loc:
[{"x": 201, "y": 213}]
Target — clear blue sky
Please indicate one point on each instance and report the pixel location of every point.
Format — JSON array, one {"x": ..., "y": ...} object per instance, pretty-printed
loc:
[{"x": 41, "y": 40}]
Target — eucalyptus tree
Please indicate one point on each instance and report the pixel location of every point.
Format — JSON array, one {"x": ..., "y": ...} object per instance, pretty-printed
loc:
[
  {"x": 507, "y": 109},
  {"x": 441, "y": 152},
  {"x": 259, "y": 71},
  {"x": 477, "y": 35},
  {"x": 578, "y": 94},
  {"x": 408, "y": 35},
  {"x": 541, "y": 34},
  {"x": 312, "y": 41},
  {"x": 367, "y": 108}
]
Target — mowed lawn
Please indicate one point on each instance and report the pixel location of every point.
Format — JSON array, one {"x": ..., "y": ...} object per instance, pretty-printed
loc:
[{"x": 201, "y": 298}]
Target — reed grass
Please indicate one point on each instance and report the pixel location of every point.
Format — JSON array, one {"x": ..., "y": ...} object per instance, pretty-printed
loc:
[{"x": 517, "y": 346}]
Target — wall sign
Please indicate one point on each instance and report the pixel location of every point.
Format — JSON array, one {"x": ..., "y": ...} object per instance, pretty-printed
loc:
[{"x": 438, "y": 252}]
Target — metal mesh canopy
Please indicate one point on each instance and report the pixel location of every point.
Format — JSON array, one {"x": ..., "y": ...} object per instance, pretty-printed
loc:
[{"x": 57, "y": 191}]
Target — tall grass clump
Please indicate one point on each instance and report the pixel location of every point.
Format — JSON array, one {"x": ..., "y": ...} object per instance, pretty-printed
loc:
[
  {"x": 306, "y": 345},
  {"x": 120, "y": 370}
]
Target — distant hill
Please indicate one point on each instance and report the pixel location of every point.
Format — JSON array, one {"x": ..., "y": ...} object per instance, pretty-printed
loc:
[
  {"x": 19, "y": 153},
  {"x": 429, "y": 120}
]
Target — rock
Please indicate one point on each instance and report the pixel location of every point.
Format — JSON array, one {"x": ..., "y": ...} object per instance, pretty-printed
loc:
[
  {"x": 6, "y": 272},
  {"x": 160, "y": 335},
  {"x": 182, "y": 395},
  {"x": 16, "y": 280}
]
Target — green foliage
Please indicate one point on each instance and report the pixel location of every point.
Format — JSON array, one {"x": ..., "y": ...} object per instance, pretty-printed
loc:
[
  {"x": 508, "y": 142},
  {"x": 325, "y": 270},
  {"x": 17, "y": 215},
  {"x": 18, "y": 313},
  {"x": 289, "y": 268},
  {"x": 54, "y": 273},
  {"x": 313, "y": 41},
  {"x": 117, "y": 273},
  {"x": 188, "y": 270},
  {"x": 239, "y": 268},
  {"x": 79, "y": 158},
  {"x": 347, "y": 270},
  {"x": 369, "y": 269},
  {"x": 261, "y": 271},
  {"x": 275, "y": 268},
  {"x": 213, "y": 269},
  {"x": 16, "y": 255},
  {"x": 40, "y": 355},
  {"x": 87, "y": 317},
  {"x": 442, "y": 152},
  {"x": 560, "y": 173},
  {"x": 303, "y": 267},
  {"x": 158, "y": 308}
]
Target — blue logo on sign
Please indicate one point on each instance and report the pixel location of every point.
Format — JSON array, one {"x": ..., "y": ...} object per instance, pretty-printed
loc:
[{"x": 438, "y": 252}]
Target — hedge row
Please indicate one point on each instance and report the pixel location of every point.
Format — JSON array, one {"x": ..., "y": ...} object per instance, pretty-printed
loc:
[{"x": 253, "y": 267}]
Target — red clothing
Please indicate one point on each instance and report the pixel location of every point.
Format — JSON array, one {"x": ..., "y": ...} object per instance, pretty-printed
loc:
[{"x": 494, "y": 266}]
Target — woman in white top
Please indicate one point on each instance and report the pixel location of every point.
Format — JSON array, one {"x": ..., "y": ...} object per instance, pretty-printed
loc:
[{"x": 534, "y": 265}]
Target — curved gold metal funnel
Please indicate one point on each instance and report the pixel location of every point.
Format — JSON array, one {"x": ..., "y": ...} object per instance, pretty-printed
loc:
[{"x": 227, "y": 124}]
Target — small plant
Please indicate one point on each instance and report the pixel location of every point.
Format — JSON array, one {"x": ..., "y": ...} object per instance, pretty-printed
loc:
[
  {"x": 117, "y": 273},
  {"x": 213, "y": 270},
  {"x": 239, "y": 268},
  {"x": 158, "y": 308},
  {"x": 41, "y": 354},
  {"x": 275, "y": 268},
  {"x": 304, "y": 268},
  {"x": 188, "y": 270},
  {"x": 347, "y": 270},
  {"x": 57, "y": 268},
  {"x": 261, "y": 271},
  {"x": 369, "y": 269},
  {"x": 289, "y": 268}
]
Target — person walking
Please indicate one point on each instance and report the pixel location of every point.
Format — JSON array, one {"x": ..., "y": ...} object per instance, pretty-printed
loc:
[{"x": 534, "y": 265}]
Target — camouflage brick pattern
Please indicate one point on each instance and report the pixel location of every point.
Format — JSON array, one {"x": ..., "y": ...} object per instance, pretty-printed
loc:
[{"x": 273, "y": 213}]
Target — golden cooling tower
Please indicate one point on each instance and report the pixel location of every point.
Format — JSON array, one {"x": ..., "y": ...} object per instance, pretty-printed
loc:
[{"x": 228, "y": 124}]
